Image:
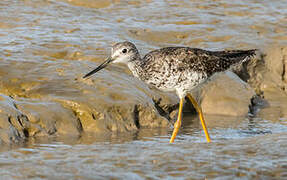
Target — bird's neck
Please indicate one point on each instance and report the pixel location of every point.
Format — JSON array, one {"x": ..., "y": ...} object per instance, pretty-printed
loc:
[{"x": 135, "y": 67}]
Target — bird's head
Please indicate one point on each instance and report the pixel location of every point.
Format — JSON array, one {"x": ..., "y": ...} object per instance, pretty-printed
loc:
[{"x": 122, "y": 52}]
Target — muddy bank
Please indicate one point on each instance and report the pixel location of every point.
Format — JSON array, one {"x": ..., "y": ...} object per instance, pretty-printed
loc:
[
  {"x": 52, "y": 99},
  {"x": 37, "y": 105},
  {"x": 41, "y": 106},
  {"x": 34, "y": 104},
  {"x": 47, "y": 46},
  {"x": 111, "y": 101},
  {"x": 268, "y": 78}
]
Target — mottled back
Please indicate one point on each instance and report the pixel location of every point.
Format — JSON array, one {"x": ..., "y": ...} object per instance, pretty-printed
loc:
[{"x": 184, "y": 68}]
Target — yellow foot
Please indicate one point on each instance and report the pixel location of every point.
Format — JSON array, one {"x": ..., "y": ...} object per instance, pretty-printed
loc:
[
  {"x": 177, "y": 124},
  {"x": 198, "y": 109}
]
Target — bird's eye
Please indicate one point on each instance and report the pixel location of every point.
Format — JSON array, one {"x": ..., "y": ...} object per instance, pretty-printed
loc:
[{"x": 124, "y": 50}]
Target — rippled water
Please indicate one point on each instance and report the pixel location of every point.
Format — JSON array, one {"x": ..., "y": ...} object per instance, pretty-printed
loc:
[
  {"x": 255, "y": 149},
  {"x": 51, "y": 32}
]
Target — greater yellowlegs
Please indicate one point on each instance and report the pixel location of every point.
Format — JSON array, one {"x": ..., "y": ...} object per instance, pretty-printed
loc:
[{"x": 178, "y": 69}]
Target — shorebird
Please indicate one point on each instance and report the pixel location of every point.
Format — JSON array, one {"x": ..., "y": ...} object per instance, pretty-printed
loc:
[{"x": 178, "y": 69}]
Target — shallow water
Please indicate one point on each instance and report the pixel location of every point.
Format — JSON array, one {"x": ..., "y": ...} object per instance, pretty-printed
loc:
[
  {"x": 37, "y": 37},
  {"x": 252, "y": 150}
]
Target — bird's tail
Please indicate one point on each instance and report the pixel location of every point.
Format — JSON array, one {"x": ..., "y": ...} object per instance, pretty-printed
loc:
[{"x": 239, "y": 56}]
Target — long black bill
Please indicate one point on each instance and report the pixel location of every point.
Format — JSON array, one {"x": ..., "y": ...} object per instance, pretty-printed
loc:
[{"x": 103, "y": 65}]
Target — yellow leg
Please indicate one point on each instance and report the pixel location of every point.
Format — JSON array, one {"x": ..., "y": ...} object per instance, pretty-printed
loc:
[
  {"x": 177, "y": 124},
  {"x": 198, "y": 109}
]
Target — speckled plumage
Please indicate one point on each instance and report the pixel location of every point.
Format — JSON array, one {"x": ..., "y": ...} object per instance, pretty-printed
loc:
[
  {"x": 177, "y": 69},
  {"x": 181, "y": 69}
]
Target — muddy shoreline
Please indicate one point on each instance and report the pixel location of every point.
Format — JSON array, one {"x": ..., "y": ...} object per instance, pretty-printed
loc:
[{"x": 69, "y": 105}]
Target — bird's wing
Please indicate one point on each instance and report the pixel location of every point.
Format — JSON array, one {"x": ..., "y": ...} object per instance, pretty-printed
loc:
[
  {"x": 217, "y": 61},
  {"x": 198, "y": 60}
]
